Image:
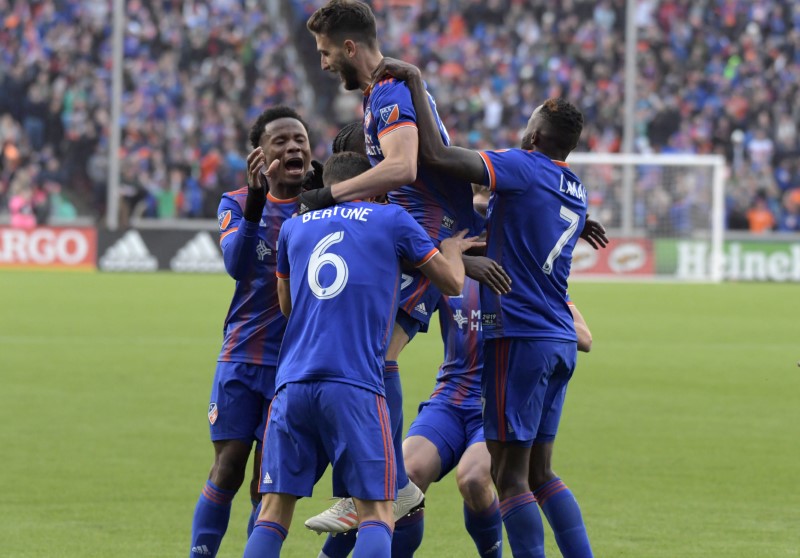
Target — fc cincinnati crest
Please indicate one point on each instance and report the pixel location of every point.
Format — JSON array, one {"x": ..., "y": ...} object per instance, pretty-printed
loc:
[
  {"x": 213, "y": 413},
  {"x": 367, "y": 118},
  {"x": 224, "y": 219},
  {"x": 390, "y": 114}
]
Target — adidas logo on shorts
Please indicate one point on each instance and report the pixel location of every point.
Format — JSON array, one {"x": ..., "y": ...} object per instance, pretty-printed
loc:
[
  {"x": 421, "y": 309},
  {"x": 267, "y": 479}
]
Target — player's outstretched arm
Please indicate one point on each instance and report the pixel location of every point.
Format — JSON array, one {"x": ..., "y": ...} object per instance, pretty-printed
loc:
[
  {"x": 285, "y": 296},
  {"x": 447, "y": 270},
  {"x": 487, "y": 272},
  {"x": 454, "y": 161},
  {"x": 584, "y": 335}
]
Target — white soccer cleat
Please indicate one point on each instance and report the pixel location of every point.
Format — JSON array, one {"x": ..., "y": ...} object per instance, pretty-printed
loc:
[
  {"x": 342, "y": 517},
  {"x": 409, "y": 498},
  {"x": 339, "y": 518}
]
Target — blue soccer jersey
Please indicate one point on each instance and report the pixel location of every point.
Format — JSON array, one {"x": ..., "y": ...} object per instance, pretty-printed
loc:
[
  {"x": 439, "y": 203},
  {"x": 254, "y": 325},
  {"x": 536, "y": 213},
  {"x": 344, "y": 266},
  {"x": 459, "y": 377}
]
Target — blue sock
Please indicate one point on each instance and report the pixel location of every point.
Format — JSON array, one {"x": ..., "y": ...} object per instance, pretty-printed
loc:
[
  {"x": 339, "y": 546},
  {"x": 374, "y": 540},
  {"x": 266, "y": 540},
  {"x": 394, "y": 400},
  {"x": 210, "y": 520},
  {"x": 486, "y": 529},
  {"x": 562, "y": 512},
  {"x": 523, "y": 525},
  {"x": 253, "y": 516},
  {"x": 408, "y": 534}
]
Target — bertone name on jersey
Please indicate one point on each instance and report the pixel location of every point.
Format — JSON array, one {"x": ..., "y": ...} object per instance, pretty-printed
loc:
[
  {"x": 200, "y": 254},
  {"x": 129, "y": 253}
]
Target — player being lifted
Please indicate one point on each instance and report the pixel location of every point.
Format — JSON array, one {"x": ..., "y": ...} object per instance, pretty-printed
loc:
[
  {"x": 346, "y": 38},
  {"x": 538, "y": 206},
  {"x": 249, "y": 221},
  {"x": 339, "y": 271}
]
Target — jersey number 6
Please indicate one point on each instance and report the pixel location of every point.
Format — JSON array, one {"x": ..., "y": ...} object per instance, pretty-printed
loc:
[{"x": 320, "y": 259}]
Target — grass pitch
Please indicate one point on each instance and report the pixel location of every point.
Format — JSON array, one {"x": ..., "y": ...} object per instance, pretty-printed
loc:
[{"x": 680, "y": 436}]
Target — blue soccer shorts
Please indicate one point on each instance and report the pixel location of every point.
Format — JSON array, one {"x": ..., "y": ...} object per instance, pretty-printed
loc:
[
  {"x": 452, "y": 429},
  {"x": 418, "y": 299},
  {"x": 523, "y": 386},
  {"x": 240, "y": 398},
  {"x": 314, "y": 423}
]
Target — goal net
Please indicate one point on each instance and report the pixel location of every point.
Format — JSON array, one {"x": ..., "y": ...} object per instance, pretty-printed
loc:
[{"x": 663, "y": 213}]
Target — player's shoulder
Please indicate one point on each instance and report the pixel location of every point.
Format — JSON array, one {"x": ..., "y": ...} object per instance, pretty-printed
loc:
[{"x": 235, "y": 195}]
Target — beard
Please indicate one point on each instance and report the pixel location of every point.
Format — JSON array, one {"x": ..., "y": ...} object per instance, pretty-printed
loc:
[{"x": 349, "y": 76}]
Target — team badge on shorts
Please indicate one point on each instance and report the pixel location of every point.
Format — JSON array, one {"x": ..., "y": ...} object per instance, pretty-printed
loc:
[
  {"x": 224, "y": 219},
  {"x": 213, "y": 413}
]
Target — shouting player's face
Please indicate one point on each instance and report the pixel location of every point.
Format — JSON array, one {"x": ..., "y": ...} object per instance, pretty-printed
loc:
[
  {"x": 286, "y": 139},
  {"x": 334, "y": 58}
]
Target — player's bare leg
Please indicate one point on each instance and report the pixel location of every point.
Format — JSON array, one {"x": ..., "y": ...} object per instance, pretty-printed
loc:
[
  {"x": 213, "y": 508},
  {"x": 255, "y": 497},
  {"x": 272, "y": 526},
  {"x": 481, "y": 507},
  {"x": 510, "y": 464},
  {"x": 558, "y": 504},
  {"x": 374, "y": 529}
]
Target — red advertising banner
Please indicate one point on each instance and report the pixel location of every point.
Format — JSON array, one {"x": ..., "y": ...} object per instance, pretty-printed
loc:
[
  {"x": 622, "y": 257},
  {"x": 68, "y": 247}
]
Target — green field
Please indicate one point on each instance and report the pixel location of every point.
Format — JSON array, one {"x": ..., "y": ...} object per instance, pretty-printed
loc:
[{"x": 681, "y": 436}]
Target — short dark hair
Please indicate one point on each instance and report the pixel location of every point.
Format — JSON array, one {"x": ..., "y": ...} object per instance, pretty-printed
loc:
[
  {"x": 344, "y": 165},
  {"x": 350, "y": 138},
  {"x": 566, "y": 121},
  {"x": 269, "y": 115},
  {"x": 345, "y": 19}
]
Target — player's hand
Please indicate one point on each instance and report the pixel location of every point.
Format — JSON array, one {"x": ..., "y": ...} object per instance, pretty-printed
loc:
[
  {"x": 311, "y": 200},
  {"x": 396, "y": 69},
  {"x": 594, "y": 233},
  {"x": 256, "y": 170},
  {"x": 313, "y": 178},
  {"x": 461, "y": 242},
  {"x": 488, "y": 272}
]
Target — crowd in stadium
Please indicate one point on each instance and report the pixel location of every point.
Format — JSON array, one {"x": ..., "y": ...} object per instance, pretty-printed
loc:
[{"x": 708, "y": 70}]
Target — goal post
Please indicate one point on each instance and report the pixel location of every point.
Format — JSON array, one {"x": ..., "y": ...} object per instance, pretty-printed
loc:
[{"x": 665, "y": 215}]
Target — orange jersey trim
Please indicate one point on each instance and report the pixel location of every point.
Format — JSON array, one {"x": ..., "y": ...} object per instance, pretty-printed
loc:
[
  {"x": 273, "y": 199},
  {"x": 427, "y": 257},
  {"x": 226, "y": 233},
  {"x": 560, "y": 163},
  {"x": 280, "y": 275},
  {"x": 242, "y": 190},
  {"x": 490, "y": 167},
  {"x": 394, "y": 127}
]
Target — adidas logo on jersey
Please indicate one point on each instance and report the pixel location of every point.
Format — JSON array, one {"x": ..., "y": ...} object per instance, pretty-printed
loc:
[
  {"x": 201, "y": 550},
  {"x": 421, "y": 309},
  {"x": 129, "y": 253},
  {"x": 200, "y": 254},
  {"x": 267, "y": 479}
]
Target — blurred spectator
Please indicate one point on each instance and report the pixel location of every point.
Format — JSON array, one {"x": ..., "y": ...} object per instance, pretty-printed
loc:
[
  {"x": 760, "y": 217},
  {"x": 197, "y": 72}
]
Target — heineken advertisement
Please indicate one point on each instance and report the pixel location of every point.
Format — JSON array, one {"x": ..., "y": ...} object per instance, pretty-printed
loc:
[{"x": 743, "y": 260}]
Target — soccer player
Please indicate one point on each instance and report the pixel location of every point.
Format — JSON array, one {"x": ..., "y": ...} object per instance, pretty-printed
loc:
[
  {"x": 538, "y": 205},
  {"x": 339, "y": 271},
  {"x": 249, "y": 221},
  {"x": 346, "y": 37}
]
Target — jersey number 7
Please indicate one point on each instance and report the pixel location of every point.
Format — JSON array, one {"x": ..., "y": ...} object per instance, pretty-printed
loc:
[{"x": 573, "y": 219}]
